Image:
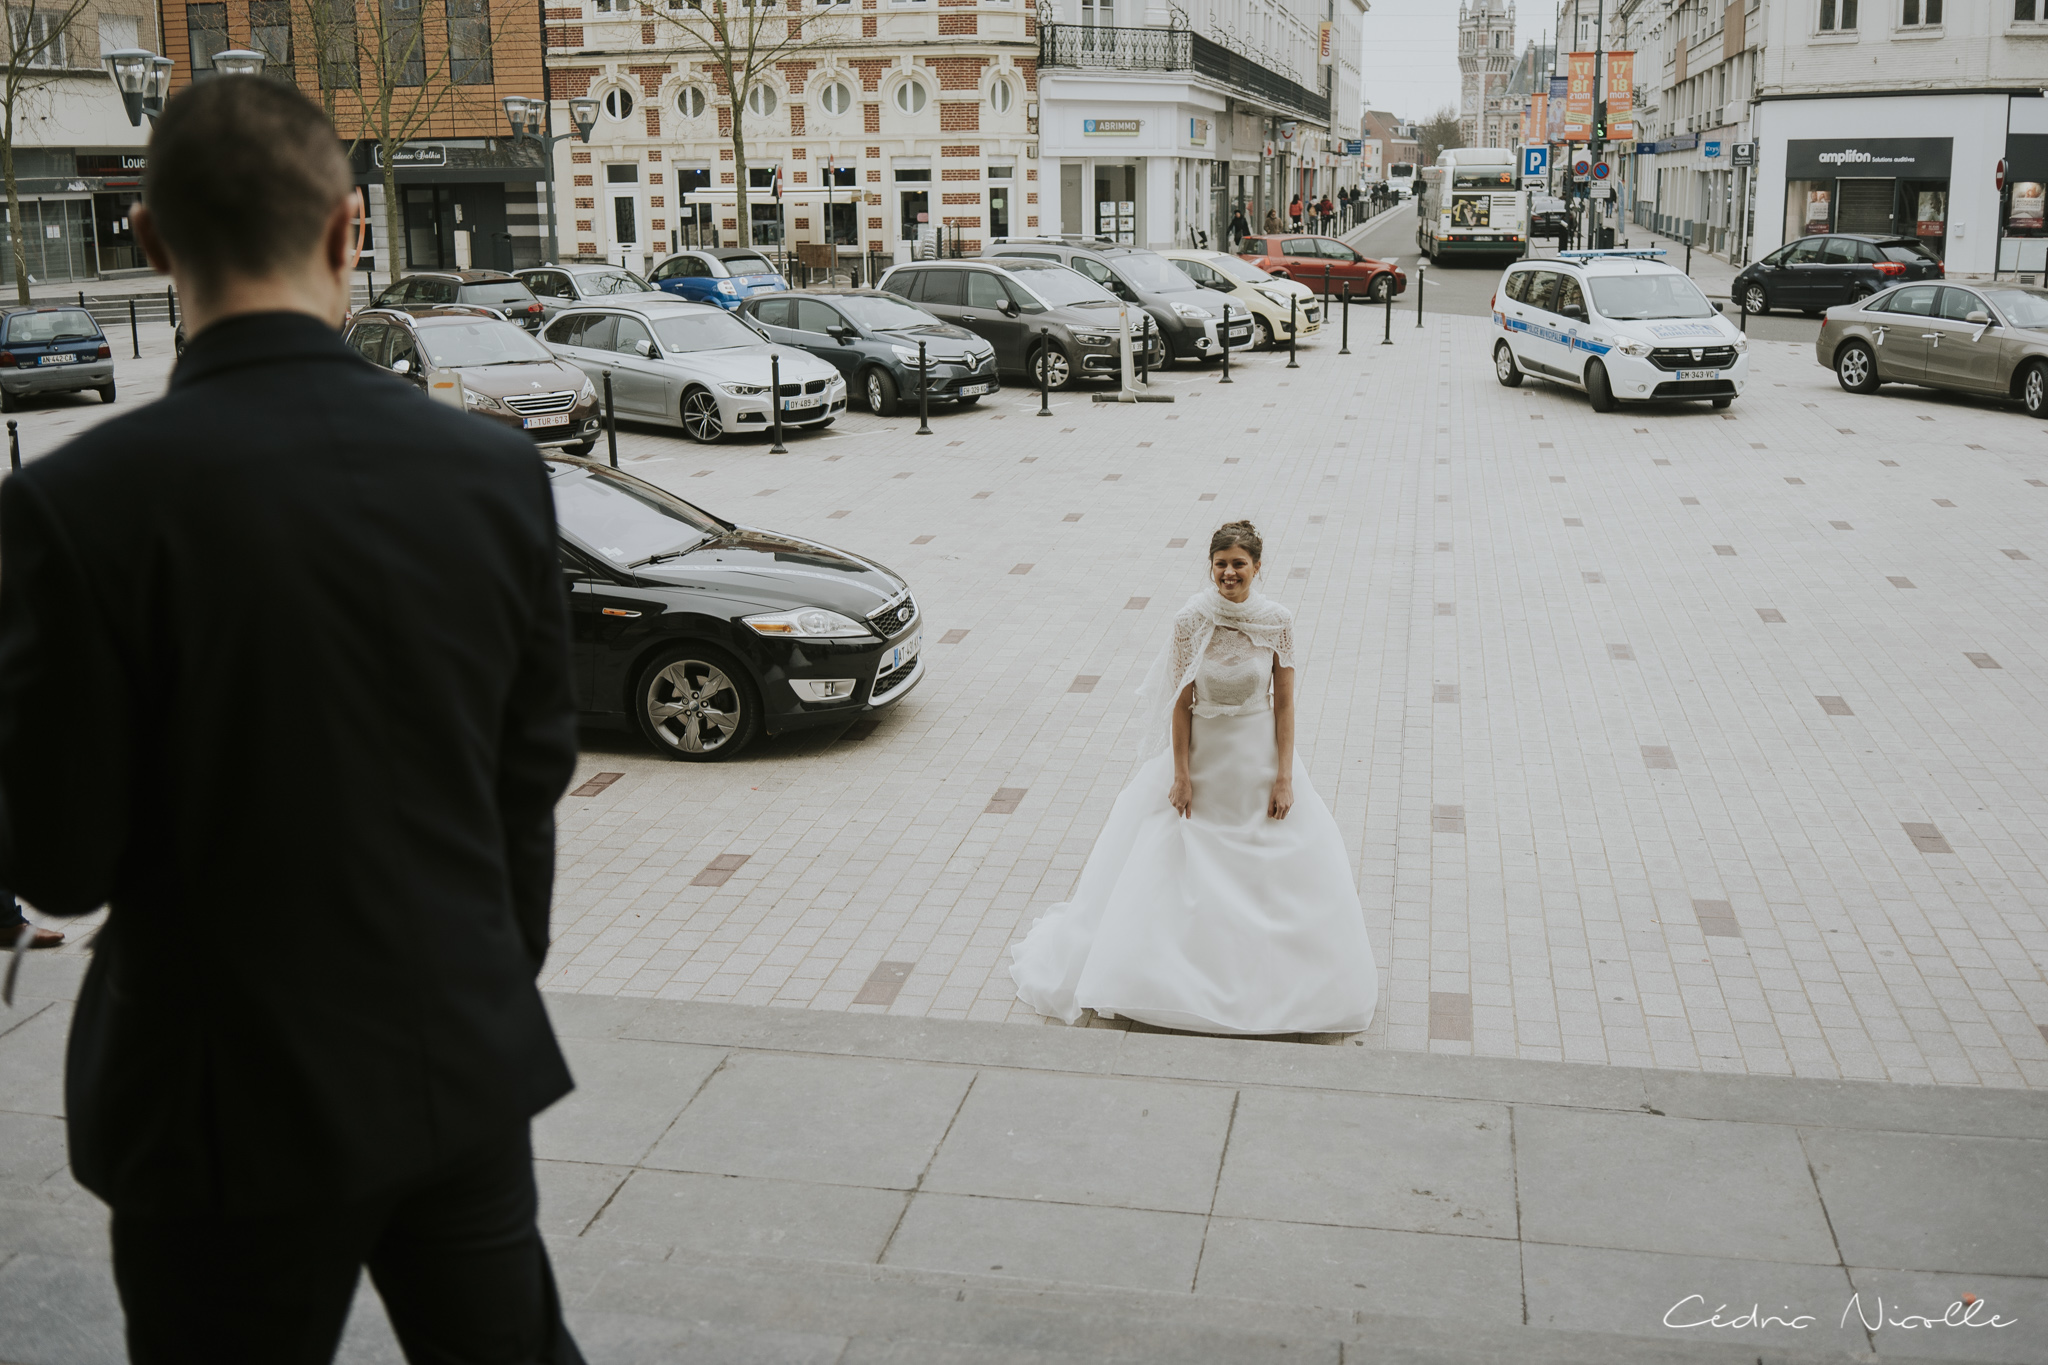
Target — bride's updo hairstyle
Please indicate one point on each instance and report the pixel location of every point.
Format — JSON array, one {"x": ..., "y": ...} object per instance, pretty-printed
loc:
[{"x": 1240, "y": 533}]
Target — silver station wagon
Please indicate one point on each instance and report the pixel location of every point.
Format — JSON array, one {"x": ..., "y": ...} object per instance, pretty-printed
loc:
[{"x": 1990, "y": 340}]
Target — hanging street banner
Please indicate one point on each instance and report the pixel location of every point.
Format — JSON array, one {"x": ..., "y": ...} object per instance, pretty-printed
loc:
[
  {"x": 1326, "y": 43},
  {"x": 1578, "y": 100},
  {"x": 1554, "y": 132},
  {"x": 1536, "y": 120},
  {"x": 1621, "y": 97}
]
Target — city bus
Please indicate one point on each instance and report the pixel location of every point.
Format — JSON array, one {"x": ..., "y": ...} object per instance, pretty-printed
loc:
[
  {"x": 1471, "y": 204},
  {"x": 1401, "y": 178}
]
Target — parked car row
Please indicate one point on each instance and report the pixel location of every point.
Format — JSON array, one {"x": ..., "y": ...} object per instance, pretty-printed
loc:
[{"x": 1988, "y": 340}]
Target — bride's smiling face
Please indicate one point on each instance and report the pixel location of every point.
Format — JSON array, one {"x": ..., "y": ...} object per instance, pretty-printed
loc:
[{"x": 1232, "y": 570}]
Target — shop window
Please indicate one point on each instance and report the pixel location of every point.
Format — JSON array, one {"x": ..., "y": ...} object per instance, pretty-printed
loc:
[
  {"x": 1808, "y": 205},
  {"x": 690, "y": 102},
  {"x": 767, "y": 223},
  {"x": 469, "y": 42},
  {"x": 1837, "y": 16},
  {"x": 1920, "y": 13},
  {"x": 206, "y": 27},
  {"x": 841, "y": 227}
]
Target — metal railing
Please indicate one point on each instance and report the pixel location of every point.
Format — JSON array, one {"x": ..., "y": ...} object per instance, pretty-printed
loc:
[{"x": 1173, "y": 49}]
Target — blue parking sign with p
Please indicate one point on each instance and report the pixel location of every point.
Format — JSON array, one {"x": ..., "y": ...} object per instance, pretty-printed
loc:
[{"x": 1535, "y": 162}]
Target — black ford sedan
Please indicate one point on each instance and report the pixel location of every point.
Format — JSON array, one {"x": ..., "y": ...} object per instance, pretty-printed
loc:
[
  {"x": 872, "y": 339},
  {"x": 702, "y": 634}
]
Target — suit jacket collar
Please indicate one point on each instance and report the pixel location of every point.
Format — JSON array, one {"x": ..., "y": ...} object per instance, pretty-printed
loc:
[{"x": 258, "y": 339}]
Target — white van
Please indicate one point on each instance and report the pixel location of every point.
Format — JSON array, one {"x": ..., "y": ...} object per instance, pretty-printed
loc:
[{"x": 1621, "y": 325}]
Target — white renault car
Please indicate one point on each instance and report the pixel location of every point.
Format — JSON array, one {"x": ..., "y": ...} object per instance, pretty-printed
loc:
[
  {"x": 1621, "y": 325},
  {"x": 694, "y": 366}
]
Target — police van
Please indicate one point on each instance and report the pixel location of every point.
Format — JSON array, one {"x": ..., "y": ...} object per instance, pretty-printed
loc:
[{"x": 1621, "y": 325}]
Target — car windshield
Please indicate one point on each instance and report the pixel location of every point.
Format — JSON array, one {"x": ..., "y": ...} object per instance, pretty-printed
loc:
[
  {"x": 2022, "y": 307},
  {"x": 883, "y": 314},
  {"x": 1056, "y": 286},
  {"x": 706, "y": 331},
  {"x": 1239, "y": 269},
  {"x": 1906, "y": 252},
  {"x": 599, "y": 283},
  {"x": 464, "y": 345},
  {"x": 67, "y": 324},
  {"x": 1629, "y": 298},
  {"x": 628, "y": 522},
  {"x": 496, "y": 294},
  {"x": 747, "y": 265},
  {"x": 1153, "y": 274}
]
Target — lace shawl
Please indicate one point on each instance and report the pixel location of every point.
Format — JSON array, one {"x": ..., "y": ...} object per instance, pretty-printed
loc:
[{"x": 1259, "y": 618}]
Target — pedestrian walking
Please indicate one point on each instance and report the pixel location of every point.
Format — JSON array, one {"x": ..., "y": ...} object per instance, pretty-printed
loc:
[
  {"x": 1327, "y": 211},
  {"x": 1272, "y": 224},
  {"x": 1239, "y": 228},
  {"x": 287, "y": 650},
  {"x": 1294, "y": 213}
]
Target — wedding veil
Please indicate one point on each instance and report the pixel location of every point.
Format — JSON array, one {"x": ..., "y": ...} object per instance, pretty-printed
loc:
[{"x": 1259, "y": 618}]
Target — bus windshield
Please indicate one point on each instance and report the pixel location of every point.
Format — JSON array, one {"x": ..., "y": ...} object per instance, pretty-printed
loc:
[{"x": 1483, "y": 178}]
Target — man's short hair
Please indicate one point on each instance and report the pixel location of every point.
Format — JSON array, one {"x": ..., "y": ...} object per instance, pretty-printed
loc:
[{"x": 242, "y": 176}]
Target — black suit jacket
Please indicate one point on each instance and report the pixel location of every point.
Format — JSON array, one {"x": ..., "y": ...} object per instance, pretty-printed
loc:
[{"x": 284, "y": 680}]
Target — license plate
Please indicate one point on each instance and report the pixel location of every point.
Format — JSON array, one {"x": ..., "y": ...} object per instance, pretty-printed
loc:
[
  {"x": 560, "y": 419},
  {"x": 1699, "y": 374},
  {"x": 902, "y": 654},
  {"x": 970, "y": 390},
  {"x": 803, "y": 403},
  {"x": 57, "y": 360}
]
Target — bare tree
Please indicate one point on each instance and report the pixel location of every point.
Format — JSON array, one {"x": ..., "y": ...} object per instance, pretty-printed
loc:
[
  {"x": 388, "y": 69},
  {"x": 1441, "y": 131},
  {"x": 741, "y": 41},
  {"x": 39, "y": 39}
]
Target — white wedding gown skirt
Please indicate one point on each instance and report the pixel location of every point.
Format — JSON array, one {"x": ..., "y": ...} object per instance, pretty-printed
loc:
[{"x": 1227, "y": 922}]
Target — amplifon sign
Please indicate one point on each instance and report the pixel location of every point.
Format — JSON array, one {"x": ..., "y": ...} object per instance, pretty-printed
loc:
[{"x": 1875, "y": 157}]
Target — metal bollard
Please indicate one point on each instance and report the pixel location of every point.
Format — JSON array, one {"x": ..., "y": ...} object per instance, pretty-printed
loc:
[
  {"x": 1293, "y": 328},
  {"x": 1388, "y": 338},
  {"x": 1225, "y": 335},
  {"x": 775, "y": 401},
  {"x": 611, "y": 427},
  {"x": 1421, "y": 278},
  {"x": 134, "y": 330},
  {"x": 1742, "y": 307},
  {"x": 81, "y": 298},
  {"x": 13, "y": 444},
  {"x": 1326, "y": 290},
  {"x": 171, "y": 304},
  {"x": 1688, "y": 255},
  {"x": 1045, "y": 372},
  {"x": 1144, "y": 345},
  {"x": 924, "y": 390},
  {"x": 1345, "y": 349}
]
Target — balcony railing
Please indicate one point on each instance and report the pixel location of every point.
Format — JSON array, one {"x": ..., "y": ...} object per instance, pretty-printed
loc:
[{"x": 1174, "y": 49}]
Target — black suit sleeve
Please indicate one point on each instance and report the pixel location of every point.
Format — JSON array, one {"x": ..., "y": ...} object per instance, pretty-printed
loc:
[
  {"x": 537, "y": 747},
  {"x": 65, "y": 718}
]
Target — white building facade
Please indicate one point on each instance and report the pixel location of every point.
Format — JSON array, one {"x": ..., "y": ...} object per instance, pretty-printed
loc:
[
  {"x": 1697, "y": 68},
  {"x": 1156, "y": 122}
]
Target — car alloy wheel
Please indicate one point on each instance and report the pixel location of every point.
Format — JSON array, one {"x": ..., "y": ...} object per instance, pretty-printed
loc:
[
  {"x": 881, "y": 394},
  {"x": 1856, "y": 368},
  {"x": 1599, "y": 392},
  {"x": 701, "y": 421},
  {"x": 1504, "y": 367},
  {"x": 2034, "y": 389},
  {"x": 1262, "y": 334},
  {"x": 1381, "y": 287},
  {"x": 695, "y": 704},
  {"x": 1755, "y": 300},
  {"x": 1049, "y": 366}
]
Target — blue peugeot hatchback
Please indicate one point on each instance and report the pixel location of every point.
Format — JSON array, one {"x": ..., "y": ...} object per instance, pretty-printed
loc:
[
  {"x": 52, "y": 350},
  {"x": 726, "y": 276}
]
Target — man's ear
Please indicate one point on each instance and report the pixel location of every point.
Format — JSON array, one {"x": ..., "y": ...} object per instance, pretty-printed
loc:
[
  {"x": 338, "y": 237},
  {"x": 153, "y": 250}
]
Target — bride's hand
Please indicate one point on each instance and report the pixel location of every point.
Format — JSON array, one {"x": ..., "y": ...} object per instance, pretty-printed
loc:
[
  {"x": 1282, "y": 799},
  {"x": 1181, "y": 796}
]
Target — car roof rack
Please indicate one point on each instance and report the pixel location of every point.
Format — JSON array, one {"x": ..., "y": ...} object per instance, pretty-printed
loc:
[{"x": 1622, "y": 251}]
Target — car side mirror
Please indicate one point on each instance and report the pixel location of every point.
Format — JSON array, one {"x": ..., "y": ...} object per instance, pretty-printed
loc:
[
  {"x": 1007, "y": 307},
  {"x": 401, "y": 366},
  {"x": 643, "y": 348},
  {"x": 1977, "y": 317},
  {"x": 1573, "y": 310},
  {"x": 841, "y": 333}
]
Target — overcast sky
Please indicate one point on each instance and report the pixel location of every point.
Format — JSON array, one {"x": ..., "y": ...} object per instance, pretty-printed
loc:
[{"x": 1411, "y": 52}]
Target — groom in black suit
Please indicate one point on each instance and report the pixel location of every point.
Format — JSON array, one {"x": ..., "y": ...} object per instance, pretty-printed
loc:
[{"x": 284, "y": 681}]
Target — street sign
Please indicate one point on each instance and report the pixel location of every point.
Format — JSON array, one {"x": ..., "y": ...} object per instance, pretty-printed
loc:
[
  {"x": 1601, "y": 191},
  {"x": 1601, "y": 170},
  {"x": 1745, "y": 154},
  {"x": 1582, "y": 168},
  {"x": 1998, "y": 177},
  {"x": 1710, "y": 149},
  {"x": 1535, "y": 162}
]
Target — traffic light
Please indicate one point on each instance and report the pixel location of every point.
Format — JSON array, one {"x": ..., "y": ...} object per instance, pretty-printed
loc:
[{"x": 1600, "y": 121}]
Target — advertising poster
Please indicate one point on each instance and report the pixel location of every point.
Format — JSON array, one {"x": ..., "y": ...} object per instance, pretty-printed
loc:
[
  {"x": 1932, "y": 218},
  {"x": 2029, "y": 200},
  {"x": 1621, "y": 96},
  {"x": 1554, "y": 128},
  {"x": 1578, "y": 99},
  {"x": 1538, "y": 131},
  {"x": 1471, "y": 210},
  {"x": 1816, "y": 211}
]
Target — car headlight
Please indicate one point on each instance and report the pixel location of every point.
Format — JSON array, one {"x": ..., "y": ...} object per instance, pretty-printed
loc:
[
  {"x": 482, "y": 402},
  {"x": 808, "y": 623},
  {"x": 588, "y": 393},
  {"x": 1093, "y": 338},
  {"x": 1741, "y": 344},
  {"x": 725, "y": 287},
  {"x": 906, "y": 354},
  {"x": 1631, "y": 347},
  {"x": 745, "y": 390},
  {"x": 1276, "y": 298},
  {"x": 1193, "y": 311}
]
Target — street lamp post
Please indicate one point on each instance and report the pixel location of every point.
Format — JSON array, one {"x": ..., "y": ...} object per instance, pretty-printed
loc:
[
  {"x": 239, "y": 61},
  {"x": 143, "y": 78},
  {"x": 529, "y": 120}
]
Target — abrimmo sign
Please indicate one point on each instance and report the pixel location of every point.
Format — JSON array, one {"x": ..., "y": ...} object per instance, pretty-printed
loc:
[
  {"x": 1111, "y": 127},
  {"x": 1893, "y": 157}
]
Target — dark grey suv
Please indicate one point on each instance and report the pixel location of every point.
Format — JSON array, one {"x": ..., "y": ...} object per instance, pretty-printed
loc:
[
  {"x": 1033, "y": 312},
  {"x": 1184, "y": 312}
]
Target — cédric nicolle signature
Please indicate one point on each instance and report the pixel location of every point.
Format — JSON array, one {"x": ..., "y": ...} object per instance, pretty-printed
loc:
[{"x": 1964, "y": 1312}]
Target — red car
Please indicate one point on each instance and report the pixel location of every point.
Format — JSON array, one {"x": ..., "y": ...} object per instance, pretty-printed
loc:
[{"x": 1304, "y": 257}]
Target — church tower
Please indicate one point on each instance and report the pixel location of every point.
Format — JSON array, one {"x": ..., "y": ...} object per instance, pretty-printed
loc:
[{"x": 1486, "y": 53}]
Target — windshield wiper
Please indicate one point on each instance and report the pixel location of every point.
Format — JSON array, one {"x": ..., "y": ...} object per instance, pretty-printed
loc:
[{"x": 676, "y": 553}]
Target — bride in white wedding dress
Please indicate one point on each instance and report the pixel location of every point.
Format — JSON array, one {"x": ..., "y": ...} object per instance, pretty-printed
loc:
[{"x": 1218, "y": 898}]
